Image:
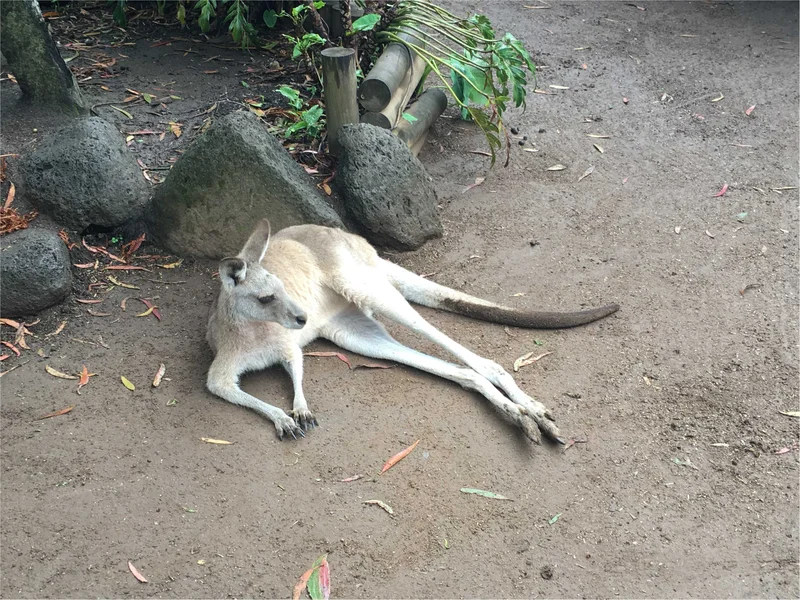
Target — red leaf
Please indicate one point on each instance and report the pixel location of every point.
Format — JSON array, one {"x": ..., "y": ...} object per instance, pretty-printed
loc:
[
  {"x": 749, "y": 111},
  {"x": 324, "y": 574},
  {"x": 722, "y": 191},
  {"x": 398, "y": 457},
  {"x": 84, "y": 378},
  {"x": 88, "y": 265},
  {"x": 4, "y": 357},
  {"x": 12, "y": 346},
  {"x": 338, "y": 355},
  {"x": 136, "y": 573},
  {"x": 149, "y": 304},
  {"x": 58, "y": 413}
]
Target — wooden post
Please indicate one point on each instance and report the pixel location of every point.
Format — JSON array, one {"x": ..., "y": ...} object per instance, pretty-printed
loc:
[
  {"x": 339, "y": 83},
  {"x": 425, "y": 110},
  {"x": 378, "y": 87},
  {"x": 389, "y": 117}
]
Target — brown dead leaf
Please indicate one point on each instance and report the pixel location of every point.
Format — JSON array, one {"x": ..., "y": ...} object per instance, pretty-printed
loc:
[
  {"x": 398, "y": 457},
  {"x": 217, "y": 442},
  {"x": 349, "y": 479},
  {"x": 88, "y": 265},
  {"x": 478, "y": 181},
  {"x": 57, "y": 413},
  {"x": 136, "y": 573},
  {"x": 12, "y": 191},
  {"x": 338, "y": 355},
  {"x": 58, "y": 330},
  {"x": 84, "y": 378},
  {"x": 149, "y": 304},
  {"x": 19, "y": 336},
  {"x": 527, "y": 359},
  {"x": 173, "y": 265},
  {"x": 58, "y": 374},
  {"x": 586, "y": 173},
  {"x": 12, "y": 346},
  {"x": 97, "y": 314},
  {"x": 159, "y": 375},
  {"x": 175, "y": 128},
  {"x": 116, "y": 281},
  {"x": 85, "y": 301}
]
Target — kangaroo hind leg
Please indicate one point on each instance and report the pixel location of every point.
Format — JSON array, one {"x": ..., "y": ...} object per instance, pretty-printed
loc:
[{"x": 359, "y": 333}]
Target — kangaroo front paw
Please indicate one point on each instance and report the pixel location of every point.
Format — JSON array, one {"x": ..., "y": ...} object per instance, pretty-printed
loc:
[
  {"x": 286, "y": 425},
  {"x": 305, "y": 418},
  {"x": 537, "y": 424}
]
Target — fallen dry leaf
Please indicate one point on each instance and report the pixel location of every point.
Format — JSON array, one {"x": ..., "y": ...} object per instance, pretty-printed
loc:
[
  {"x": 587, "y": 172},
  {"x": 136, "y": 573},
  {"x": 600, "y": 136},
  {"x": 5, "y": 357},
  {"x": 159, "y": 375},
  {"x": 58, "y": 374},
  {"x": 556, "y": 168},
  {"x": 349, "y": 479},
  {"x": 338, "y": 355},
  {"x": 97, "y": 314},
  {"x": 149, "y": 304},
  {"x": 175, "y": 128},
  {"x": 371, "y": 366},
  {"x": 123, "y": 304},
  {"x": 303, "y": 581},
  {"x": 12, "y": 346},
  {"x": 88, "y": 265},
  {"x": 528, "y": 359},
  {"x": 558, "y": 87},
  {"x": 218, "y": 442},
  {"x": 125, "y": 268},
  {"x": 57, "y": 413},
  {"x": 750, "y": 110},
  {"x": 84, "y": 378},
  {"x": 84, "y": 301},
  {"x": 398, "y": 457},
  {"x": 722, "y": 191},
  {"x": 172, "y": 265},
  {"x": 12, "y": 191},
  {"x": 382, "y": 504},
  {"x": 58, "y": 330},
  {"x": 478, "y": 181},
  {"x": 147, "y": 312},
  {"x": 718, "y": 98},
  {"x": 116, "y": 281}
]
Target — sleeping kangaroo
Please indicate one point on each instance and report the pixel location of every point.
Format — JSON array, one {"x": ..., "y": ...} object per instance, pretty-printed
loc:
[{"x": 308, "y": 281}]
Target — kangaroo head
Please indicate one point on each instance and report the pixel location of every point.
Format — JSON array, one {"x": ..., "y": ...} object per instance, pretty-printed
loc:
[{"x": 253, "y": 293}]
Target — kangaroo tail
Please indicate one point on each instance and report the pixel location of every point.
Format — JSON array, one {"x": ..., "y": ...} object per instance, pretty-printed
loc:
[{"x": 419, "y": 290}]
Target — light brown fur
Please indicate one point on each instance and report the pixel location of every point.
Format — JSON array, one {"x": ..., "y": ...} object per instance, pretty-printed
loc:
[{"x": 305, "y": 282}]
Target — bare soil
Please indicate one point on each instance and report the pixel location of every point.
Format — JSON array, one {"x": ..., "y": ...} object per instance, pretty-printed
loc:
[{"x": 676, "y": 488}]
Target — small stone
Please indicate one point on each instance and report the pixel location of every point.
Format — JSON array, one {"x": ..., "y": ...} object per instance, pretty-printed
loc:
[
  {"x": 514, "y": 130},
  {"x": 547, "y": 572},
  {"x": 521, "y": 142},
  {"x": 35, "y": 272},
  {"x": 542, "y": 130}
]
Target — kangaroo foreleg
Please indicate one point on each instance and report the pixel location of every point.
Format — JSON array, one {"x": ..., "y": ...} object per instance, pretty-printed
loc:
[
  {"x": 294, "y": 366},
  {"x": 223, "y": 380}
]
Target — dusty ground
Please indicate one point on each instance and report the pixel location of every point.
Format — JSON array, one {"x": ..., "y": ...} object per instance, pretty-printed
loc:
[{"x": 689, "y": 371}]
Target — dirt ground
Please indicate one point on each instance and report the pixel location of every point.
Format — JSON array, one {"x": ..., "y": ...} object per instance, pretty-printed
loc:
[{"x": 677, "y": 489}]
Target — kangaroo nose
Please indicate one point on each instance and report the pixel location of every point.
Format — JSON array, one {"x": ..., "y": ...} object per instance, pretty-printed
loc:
[{"x": 301, "y": 320}]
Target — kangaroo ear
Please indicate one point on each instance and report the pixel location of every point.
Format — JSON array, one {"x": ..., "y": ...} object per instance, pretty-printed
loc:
[
  {"x": 256, "y": 246},
  {"x": 232, "y": 272}
]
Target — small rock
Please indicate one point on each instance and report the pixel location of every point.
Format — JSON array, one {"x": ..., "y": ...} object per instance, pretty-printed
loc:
[
  {"x": 542, "y": 130},
  {"x": 547, "y": 572},
  {"x": 35, "y": 272},
  {"x": 514, "y": 130},
  {"x": 521, "y": 142},
  {"x": 386, "y": 188},
  {"x": 84, "y": 176}
]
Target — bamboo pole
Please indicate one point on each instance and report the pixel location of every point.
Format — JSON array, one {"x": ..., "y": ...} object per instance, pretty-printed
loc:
[
  {"x": 339, "y": 83},
  {"x": 424, "y": 111},
  {"x": 389, "y": 117},
  {"x": 378, "y": 87}
]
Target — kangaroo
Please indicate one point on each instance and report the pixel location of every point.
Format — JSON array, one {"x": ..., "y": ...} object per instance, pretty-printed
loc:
[{"x": 283, "y": 291}]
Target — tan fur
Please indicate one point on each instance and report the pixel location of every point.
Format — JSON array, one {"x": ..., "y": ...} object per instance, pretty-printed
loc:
[{"x": 306, "y": 282}]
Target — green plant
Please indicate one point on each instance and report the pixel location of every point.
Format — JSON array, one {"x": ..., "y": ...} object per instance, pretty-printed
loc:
[
  {"x": 308, "y": 121},
  {"x": 241, "y": 30},
  {"x": 486, "y": 73},
  {"x": 119, "y": 12}
]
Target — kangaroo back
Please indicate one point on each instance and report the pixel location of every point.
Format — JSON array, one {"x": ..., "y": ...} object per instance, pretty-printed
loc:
[{"x": 421, "y": 291}]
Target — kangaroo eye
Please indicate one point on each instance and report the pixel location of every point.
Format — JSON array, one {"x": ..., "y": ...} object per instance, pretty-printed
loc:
[{"x": 266, "y": 299}]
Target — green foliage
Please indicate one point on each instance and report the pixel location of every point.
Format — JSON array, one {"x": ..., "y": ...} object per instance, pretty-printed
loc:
[
  {"x": 486, "y": 74},
  {"x": 119, "y": 12},
  {"x": 241, "y": 30},
  {"x": 302, "y": 44},
  {"x": 365, "y": 23},
  {"x": 308, "y": 122}
]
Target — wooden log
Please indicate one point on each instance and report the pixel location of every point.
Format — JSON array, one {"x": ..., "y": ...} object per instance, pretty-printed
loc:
[
  {"x": 339, "y": 83},
  {"x": 420, "y": 143},
  {"x": 389, "y": 117},
  {"x": 425, "y": 110},
  {"x": 378, "y": 87}
]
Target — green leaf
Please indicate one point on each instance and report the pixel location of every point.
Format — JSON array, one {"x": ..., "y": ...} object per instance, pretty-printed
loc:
[
  {"x": 312, "y": 115},
  {"x": 245, "y": 84},
  {"x": 554, "y": 519},
  {"x": 367, "y": 22},
  {"x": 119, "y": 13},
  {"x": 126, "y": 382},
  {"x": 319, "y": 583},
  {"x": 484, "y": 493},
  {"x": 148, "y": 98},
  {"x": 292, "y": 95},
  {"x": 181, "y": 15},
  {"x": 270, "y": 18},
  {"x": 410, "y": 118}
]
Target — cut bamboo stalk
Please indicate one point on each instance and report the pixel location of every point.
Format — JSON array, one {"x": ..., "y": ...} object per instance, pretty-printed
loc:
[
  {"x": 425, "y": 111},
  {"x": 420, "y": 143},
  {"x": 389, "y": 117},
  {"x": 339, "y": 83},
  {"x": 388, "y": 73}
]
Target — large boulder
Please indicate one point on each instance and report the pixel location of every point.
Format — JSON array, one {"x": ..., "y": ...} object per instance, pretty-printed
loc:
[
  {"x": 386, "y": 189},
  {"x": 84, "y": 175},
  {"x": 228, "y": 179},
  {"x": 35, "y": 272}
]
